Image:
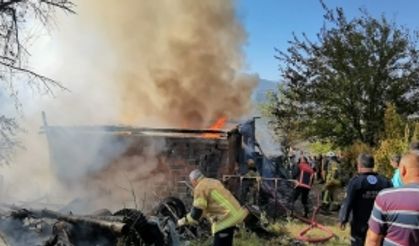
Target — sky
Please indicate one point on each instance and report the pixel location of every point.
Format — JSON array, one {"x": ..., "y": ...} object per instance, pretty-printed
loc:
[{"x": 270, "y": 24}]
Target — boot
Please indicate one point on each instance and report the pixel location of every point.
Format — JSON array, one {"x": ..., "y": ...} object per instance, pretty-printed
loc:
[{"x": 305, "y": 212}]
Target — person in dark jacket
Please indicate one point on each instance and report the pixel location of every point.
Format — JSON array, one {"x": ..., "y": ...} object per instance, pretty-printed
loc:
[
  {"x": 304, "y": 176},
  {"x": 360, "y": 195}
]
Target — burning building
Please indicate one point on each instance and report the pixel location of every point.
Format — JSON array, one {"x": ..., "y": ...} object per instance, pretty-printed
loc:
[{"x": 150, "y": 160}]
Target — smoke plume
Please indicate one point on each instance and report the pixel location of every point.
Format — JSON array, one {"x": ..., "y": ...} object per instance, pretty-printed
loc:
[
  {"x": 138, "y": 62},
  {"x": 178, "y": 60}
]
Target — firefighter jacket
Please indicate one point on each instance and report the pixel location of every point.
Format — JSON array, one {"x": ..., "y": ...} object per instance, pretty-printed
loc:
[
  {"x": 252, "y": 173},
  {"x": 219, "y": 206},
  {"x": 304, "y": 175},
  {"x": 332, "y": 176}
]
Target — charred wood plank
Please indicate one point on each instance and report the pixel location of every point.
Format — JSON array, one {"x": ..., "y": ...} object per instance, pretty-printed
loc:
[{"x": 115, "y": 227}]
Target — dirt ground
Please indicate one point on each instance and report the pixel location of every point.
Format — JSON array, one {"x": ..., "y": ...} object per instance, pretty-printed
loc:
[{"x": 289, "y": 229}]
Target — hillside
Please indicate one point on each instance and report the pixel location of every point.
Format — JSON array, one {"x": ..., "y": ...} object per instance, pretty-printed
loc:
[{"x": 264, "y": 86}]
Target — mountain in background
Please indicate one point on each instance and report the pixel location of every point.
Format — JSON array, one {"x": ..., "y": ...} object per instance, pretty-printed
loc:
[{"x": 264, "y": 86}]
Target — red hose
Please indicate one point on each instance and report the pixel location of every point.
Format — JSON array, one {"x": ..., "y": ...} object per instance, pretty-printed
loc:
[{"x": 312, "y": 225}]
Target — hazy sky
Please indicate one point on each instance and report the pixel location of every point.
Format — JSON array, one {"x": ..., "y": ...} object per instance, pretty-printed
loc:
[{"x": 270, "y": 24}]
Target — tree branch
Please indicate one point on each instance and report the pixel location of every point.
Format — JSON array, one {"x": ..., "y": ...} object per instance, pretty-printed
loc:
[
  {"x": 4, "y": 6},
  {"x": 45, "y": 80},
  {"x": 62, "y": 5}
]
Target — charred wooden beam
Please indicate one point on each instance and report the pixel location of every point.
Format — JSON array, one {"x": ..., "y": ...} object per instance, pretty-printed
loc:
[
  {"x": 115, "y": 227},
  {"x": 133, "y": 130}
]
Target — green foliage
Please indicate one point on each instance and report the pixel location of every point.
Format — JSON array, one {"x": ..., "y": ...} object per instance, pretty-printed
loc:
[
  {"x": 319, "y": 147},
  {"x": 337, "y": 87},
  {"x": 415, "y": 136},
  {"x": 396, "y": 140},
  {"x": 350, "y": 155},
  {"x": 357, "y": 148},
  {"x": 382, "y": 155},
  {"x": 393, "y": 123}
]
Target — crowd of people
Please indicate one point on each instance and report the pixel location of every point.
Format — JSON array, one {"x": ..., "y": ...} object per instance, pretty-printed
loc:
[{"x": 380, "y": 211}]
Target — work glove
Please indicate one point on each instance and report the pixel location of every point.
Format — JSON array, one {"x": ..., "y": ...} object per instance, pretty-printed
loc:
[{"x": 181, "y": 222}]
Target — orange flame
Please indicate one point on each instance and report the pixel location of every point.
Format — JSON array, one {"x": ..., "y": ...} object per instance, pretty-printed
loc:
[{"x": 219, "y": 123}]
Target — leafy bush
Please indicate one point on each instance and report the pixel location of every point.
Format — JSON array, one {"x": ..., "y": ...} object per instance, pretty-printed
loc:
[
  {"x": 396, "y": 139},
  {"x": 321, "y": 147},
  {"x": 382, "y": 155}
]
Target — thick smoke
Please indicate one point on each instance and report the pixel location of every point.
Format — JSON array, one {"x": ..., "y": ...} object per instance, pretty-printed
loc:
[
  {"x": 178, "y": 60},
  {"x": 139, "y": 62}
]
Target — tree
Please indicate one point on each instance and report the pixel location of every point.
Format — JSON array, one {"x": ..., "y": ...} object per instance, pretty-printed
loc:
[
  {"x": 395, "y": 140},
  {"x": 336, "y": 88},
  {"x": 394, "y": 126},
  {"x": 320, "y": 147},
  {"x": 415, "y": 136},
  {"x": 15, "y": 16}
]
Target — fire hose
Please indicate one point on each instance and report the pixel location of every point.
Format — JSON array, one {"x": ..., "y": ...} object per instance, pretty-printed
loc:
[{"x": 312, "y": 223}]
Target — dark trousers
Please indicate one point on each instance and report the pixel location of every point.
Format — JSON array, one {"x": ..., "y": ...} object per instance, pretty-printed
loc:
[
  {"x": 358, "y": 235},
  {"x": 304, "y": 198},
  {"x": 224, "y": 237},
  {"x": 357, "y": 240}
]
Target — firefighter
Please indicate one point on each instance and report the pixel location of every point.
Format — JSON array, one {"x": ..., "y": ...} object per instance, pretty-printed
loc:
[
  {"x": 304, "y": 176},
  {"x": 251, "y": 169},
  {"x": 332, "y": 182},
  {"x": 251, "y": 185},
  {"x": 218, "y": 205}
]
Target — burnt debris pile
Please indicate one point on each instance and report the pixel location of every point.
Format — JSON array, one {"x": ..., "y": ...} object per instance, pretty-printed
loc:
[{"x": 22, "y": 226}]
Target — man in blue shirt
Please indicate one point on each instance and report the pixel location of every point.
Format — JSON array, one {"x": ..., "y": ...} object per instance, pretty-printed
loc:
[
  {"x": 359, "y": 201},
  {"x": 396, "y": 180}
]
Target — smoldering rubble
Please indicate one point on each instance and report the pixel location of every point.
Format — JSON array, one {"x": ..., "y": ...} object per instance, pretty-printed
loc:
[{"x": 22, "y": 226}]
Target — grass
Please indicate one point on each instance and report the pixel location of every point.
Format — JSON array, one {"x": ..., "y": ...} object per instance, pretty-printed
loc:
[
  {"x": 244, "y": 238},
  {"x": 288, "y": 230},
  {"x": 331, "y": 221}
]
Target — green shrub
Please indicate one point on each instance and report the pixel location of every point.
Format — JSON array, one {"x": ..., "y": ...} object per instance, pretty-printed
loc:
[{"x": 383, "y": 153}]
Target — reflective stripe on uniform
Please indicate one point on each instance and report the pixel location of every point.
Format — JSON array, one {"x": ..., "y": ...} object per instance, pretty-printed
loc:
[
  {"x": 234, "y": 216},
  {"x": 305, "y": 169},
  {"x": 200, "y": 202},
  {"x": 229, "y": 222}
]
